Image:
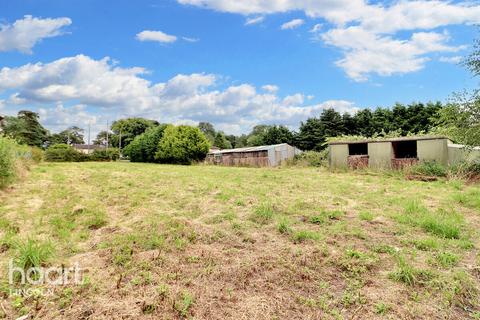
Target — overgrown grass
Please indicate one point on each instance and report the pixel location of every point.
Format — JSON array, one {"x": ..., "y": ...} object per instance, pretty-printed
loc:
[
  {"x": 443, "y": 223},
  {"x": 174, "y": 239}
]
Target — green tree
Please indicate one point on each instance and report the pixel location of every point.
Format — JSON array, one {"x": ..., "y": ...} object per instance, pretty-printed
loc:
[
  {"x": 460, "y": 120},
  {"x": 255, "y": 138},
  {"x": 144, "y": 147},
  {"x": 277, "y": 135},
  {"x": 26, "y": 129},
  {"x": 101, "y": 139},
  {"x": 72, "y": 135},
  {"x": 129, "y": 128},
  {"x": 311, "y": 135},
  {"x": 209, "y": 131},
  {"x": 182, "y": 145},
  {"x": 221, "y": 141}
]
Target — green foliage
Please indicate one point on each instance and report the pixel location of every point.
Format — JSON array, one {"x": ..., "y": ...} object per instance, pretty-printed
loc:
[
  {"x": 263, "y": 214},
  {"x": 460, "y": 120},
  {"x": 25, "y": 129},
  {"x": 144, "y": 147},
  {"x": 311, "y": 159},
  {"x": 109, "y": 154},
  {"x": 408, "y": 274},
  {"x": 63, "y": 153},
  {"x": 72, "y": 135},
  {"x": 128, "y": 129},
  {"x": 7, "y": 161},
  {"x": 221, "y": 141},
  {"x": 429, "y": 168},
  {"x": 32, "y": 253},
  {"x": 182, "y": 145},
  {"x": 401, "y": 120},
  {"x": 277, "y": 135}
]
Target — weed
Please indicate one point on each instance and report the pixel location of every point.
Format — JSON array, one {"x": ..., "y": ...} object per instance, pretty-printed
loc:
[
  {"x": 446, "y": 259},
  {"x": 381, "y": 308},
  {"x": 183, "y": 305},
  {"x": 408, "y": 274},
  {"x": 304, "y": 235},
  {"x": 366, "y": 216},
  {"x": 284, "y": 227},
  {"x": 426, "y": 244},
  {"x": 263, "y": 214},
  {"x": 33, "y": 253}
]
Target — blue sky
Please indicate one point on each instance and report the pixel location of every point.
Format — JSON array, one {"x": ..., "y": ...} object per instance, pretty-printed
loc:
[{"x": 184, "y": 61}]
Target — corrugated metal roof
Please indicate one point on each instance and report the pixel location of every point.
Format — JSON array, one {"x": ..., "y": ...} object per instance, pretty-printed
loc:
[
  {"x": 389, "y": 140},
  {"x": 248, "y": 149}
]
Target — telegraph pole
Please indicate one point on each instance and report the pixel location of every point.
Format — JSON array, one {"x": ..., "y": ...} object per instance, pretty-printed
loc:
[
  {"x": 88, "y": 138},
  {"x": 107, "y": 135}
]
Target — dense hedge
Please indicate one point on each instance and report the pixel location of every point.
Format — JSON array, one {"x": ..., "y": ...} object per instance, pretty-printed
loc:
[{"x": 65, "y": 153}]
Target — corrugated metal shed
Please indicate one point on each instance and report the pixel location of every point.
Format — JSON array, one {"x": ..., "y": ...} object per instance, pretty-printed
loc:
[{"x": 261, "y": 156}]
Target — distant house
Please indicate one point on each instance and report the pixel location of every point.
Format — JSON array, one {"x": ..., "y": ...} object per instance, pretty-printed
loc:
[
  {"x": 262, "y": 156},
  {"x": 85, "y": 148},
  {"x": 395, "y": 153}
]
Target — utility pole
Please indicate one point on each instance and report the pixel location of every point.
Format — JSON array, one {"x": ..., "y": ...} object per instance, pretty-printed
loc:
[
  {"x": 107, "y": 135},
  {"x": 89, "y": 135}
]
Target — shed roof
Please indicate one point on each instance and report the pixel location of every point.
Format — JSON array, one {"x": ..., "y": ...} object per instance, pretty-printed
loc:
[
  {"x": 86, "y": 146},
  {"x": 248, "y": 149},
  {"x": 390, "y": 140}
]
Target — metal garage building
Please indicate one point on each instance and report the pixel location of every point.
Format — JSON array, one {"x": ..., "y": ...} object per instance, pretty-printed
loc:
[
  {"x": 262, "y": 156},
  {"x": 395, "y": 153}
]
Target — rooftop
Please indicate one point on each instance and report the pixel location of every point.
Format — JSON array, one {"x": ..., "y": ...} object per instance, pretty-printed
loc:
[
  {"x": 389, "y": 139},
  {"x": 248, "y": 149}
]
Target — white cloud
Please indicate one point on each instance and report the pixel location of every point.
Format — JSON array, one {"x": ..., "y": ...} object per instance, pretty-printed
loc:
[
  {"x": 101, "y": 90},
  {"x": 393, "y": 25},
  {"x": 254, "y": 20},
  {"x": 367, "y": 53},
  {"x": 25, "y": 33},
  {"x": 295, "y": 23},
  {"x": 158, "y": 36},
  {"x": 316, "y": 28},
  {"x": 454, "y": 59},
  {"x": 270, "y": 88},
  {"x": 188, "y": 39}
]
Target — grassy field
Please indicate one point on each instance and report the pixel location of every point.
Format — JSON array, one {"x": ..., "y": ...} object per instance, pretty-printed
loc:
[{"x": 168, "y": 242}]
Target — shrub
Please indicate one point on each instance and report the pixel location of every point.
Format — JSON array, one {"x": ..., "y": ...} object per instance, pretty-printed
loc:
[
  {"x": 466, "y": 169},
  {"x": 63, "y": 153},
  {"x": 7, "y": 161},
  {"x": 311, "y": 159},
  {"x": 429, "y": 168},
  {"x": 182, "y": 145},
  {"x": 144, "y": 147},
  {"x": 109, "y": 154}
]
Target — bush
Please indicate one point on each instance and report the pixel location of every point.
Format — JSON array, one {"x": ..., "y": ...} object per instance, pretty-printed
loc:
[
  {"x": 466, "y": 169},
  {"x": 7, "y": 161},
  {"x": 109, "y": 154},
  {"x": 63, "y": 153},
  {"x": 429, "y": 168},
  {"x": 311, "y": 159},
  {"x": 182, "y": 145},
  {"x": 144, "y": 147}
]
